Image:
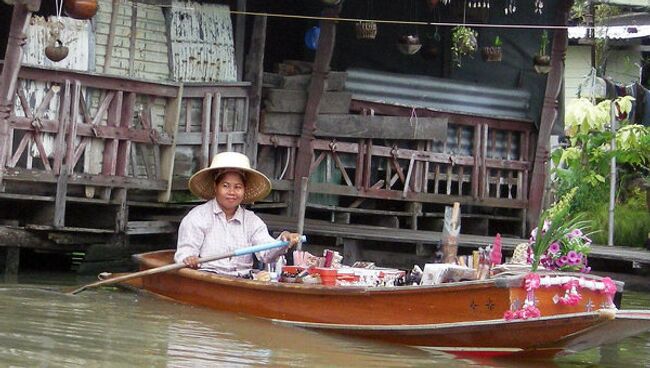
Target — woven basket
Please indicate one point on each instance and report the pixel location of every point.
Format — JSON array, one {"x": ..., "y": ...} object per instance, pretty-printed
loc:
[{"x": 366, "y": 30}]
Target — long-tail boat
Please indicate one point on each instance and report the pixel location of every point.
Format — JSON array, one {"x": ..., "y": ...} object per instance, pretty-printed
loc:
[{"x": 469, "y": 318}]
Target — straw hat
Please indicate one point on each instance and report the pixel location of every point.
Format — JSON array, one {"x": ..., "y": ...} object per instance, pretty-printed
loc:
[{"x": 258, "y": 185}]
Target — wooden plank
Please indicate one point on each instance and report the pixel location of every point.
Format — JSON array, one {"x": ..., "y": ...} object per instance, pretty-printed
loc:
[
  {"x": 204, "y": 136},
  {"x": 109, "y": 157},
  {"x": 115, "y": 11},
  {"x": 100, "y": 131},
  {"x": 215, "y": 124},
  {"x": 294, "y": 101},
  {"x": 60, "y": 201},
  {"x": 196, "y": 138},
  {"x": 344, "y": 190},
  {"x": 101, "y": 81},
  {"x": 227, "y": 90},
  {"x": 20, "y": 238},
  {"x": 150, "y": 227},
  {"x": 86, "y": 179},
  {"x": 240, "y": 38},
  {"x": 358, "y": 126},
  {"x": 255, "y": 74},
  {"x": 124, "y": 145},
  {"x": 132, "y": 37},
  {"x": 167, "y": 154},
  {"x": 335, "y": 81},
  {"x": 59, "y": 140}
]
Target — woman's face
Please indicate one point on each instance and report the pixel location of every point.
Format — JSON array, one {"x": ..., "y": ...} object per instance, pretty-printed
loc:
[{"x": 229, "y": 190}]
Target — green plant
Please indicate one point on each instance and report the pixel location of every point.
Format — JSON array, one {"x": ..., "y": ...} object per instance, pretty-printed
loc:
[
  {"x": 463, "y": 42},
  {"x": 584, "y": 166},
  {"x": 543, "y": 43},
  {"x": 558, "y": 229},
  {"x": 497, "y": 42}
]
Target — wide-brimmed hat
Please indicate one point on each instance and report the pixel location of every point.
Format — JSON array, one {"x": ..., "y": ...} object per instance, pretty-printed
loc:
[{"x": 258, "y": 185}]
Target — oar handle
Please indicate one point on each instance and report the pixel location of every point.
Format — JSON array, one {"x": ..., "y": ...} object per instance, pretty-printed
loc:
[
  {"x": 259, "y": 248},
  {"x": 176, "y": 266}
]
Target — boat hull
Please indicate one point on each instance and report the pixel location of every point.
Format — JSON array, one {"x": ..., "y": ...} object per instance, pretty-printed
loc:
[{"x": 463, "y": 318}]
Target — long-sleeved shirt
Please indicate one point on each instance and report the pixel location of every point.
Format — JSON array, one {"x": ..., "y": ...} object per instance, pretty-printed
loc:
[{"x": 204, "y": 232}]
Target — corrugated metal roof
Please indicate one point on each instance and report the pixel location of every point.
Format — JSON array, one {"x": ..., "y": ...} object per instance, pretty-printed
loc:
[
  {"x": 612, "y": 32},
  {"x": 437, "y": 94}
]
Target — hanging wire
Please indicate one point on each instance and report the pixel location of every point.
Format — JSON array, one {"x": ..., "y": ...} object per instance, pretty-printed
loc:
[
  {"x": 385, "y": 21},
  {"x": 378, "y": 21}
]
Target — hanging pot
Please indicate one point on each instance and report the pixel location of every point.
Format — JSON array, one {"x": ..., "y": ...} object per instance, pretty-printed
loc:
[
  {"x": 492, "y": 53},
  {"x": 80, "y": 9},
  {"x": 409, "y": 44},
  {"x": 366, "y": 30},
  {"x": 56, "y": 52}
]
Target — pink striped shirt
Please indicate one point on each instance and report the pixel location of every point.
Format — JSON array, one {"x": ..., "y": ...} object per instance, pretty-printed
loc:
[{"x": 206, "y": 232}]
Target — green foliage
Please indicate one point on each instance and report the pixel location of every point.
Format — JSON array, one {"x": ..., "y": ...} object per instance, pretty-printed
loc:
[
  {"x": 584, "y": 167},
  {"x": 497, "y": 42},
  {"x": 631, "y": 224},
  {"x": 543, "y": 44},
  {"x": 554, "y": 225},
  {"x": 463, "y": 42}
]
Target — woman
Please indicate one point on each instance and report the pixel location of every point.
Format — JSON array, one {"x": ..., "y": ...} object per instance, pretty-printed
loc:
[{"x": 221, "y": 225}]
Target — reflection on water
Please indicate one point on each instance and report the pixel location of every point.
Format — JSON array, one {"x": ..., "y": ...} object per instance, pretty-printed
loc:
[{"x": 41, "y": 326}]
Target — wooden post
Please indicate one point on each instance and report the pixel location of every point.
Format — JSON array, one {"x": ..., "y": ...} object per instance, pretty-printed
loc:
[
  {"x": 61, "y": 193},
  {"x": 255, "y": 74},
  {"x": 12, "y": 264},
  {"x": 450, "y": 231},
  {"x": 172, "y": 115},
  {"x": 304, "y": 192},
  {"x": 115, "y": 12},
  {"x": 548, "y": 117},
  {"x": 315, "y": 92},
  {"x": 8, "y": 80},
  {"x": 133, "y": 37},
  {"x": 240, "y": 35}
]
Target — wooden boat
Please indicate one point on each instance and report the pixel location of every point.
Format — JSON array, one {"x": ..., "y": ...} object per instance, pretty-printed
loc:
[{"x": 463, "y": 318}]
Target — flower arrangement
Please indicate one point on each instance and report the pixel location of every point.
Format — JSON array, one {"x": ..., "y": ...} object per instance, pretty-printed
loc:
[
  {"x": 560, "y": 244},
  {"x": 463, "y": 42}
]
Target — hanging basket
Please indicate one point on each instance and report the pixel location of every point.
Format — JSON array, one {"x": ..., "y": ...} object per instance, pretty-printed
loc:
[
  {"x": 492, "y": 53},
  {"x": 366, "y": 30},
  {"x": 409, "y": 44},
  {"x": 56, "y": 52}
]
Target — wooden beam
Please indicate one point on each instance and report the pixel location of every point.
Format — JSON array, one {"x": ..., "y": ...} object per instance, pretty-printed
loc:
[
  {"x": 319, "y": 74},
  {"x": 132, "y": 37},
  {"x": 101, "y": 81},
  {"x": 9, "y": 77},
  {"x": 255, "y": 75},
  {"x": 172, "y": 115},
  {"x": 547, "y": 119},
  {"x": 287, "y": 100},
  {"x": 358, "y": 126},
  {"x": 240, "y": 37},
  {"x": 60, "y": 201},
  {"x": 115, "y": 12},
  {"x": 17, "y": 237}
]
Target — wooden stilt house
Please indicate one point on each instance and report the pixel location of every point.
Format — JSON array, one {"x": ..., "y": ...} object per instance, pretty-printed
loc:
[{"x": 98, "y": 147}]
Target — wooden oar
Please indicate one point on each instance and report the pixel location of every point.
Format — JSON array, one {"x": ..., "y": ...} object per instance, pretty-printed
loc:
[{"x": 176, "y": 266}]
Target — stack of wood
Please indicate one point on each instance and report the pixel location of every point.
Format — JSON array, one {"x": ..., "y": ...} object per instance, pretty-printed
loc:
[{"x": 285, "y": 97}]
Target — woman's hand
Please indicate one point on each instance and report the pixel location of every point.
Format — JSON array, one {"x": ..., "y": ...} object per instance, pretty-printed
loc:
[
  {"x": 292, "y": 238},
  {"x": 192, "y": 262}
]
